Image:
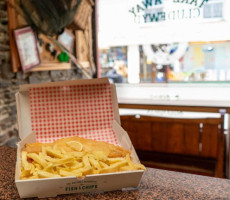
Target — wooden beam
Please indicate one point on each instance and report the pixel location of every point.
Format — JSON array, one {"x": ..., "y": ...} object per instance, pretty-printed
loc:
[{"x": 12, "y": 24}]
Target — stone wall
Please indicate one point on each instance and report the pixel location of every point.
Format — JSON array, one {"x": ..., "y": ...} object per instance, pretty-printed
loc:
[{"x": 9, "y": 83}]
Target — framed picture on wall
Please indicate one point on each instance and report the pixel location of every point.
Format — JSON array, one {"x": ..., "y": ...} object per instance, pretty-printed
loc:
[
  {"x": 26, "y": 42},
  {"x": 66, "y": 39}
]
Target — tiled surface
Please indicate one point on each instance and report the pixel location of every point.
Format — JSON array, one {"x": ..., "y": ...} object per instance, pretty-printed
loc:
[{"x": 155, "y": 184}]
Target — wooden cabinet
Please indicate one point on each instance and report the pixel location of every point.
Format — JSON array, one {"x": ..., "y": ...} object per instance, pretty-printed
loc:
[
  {"x": 139, "y": 133},
  {"x": 194, "y": 139}
]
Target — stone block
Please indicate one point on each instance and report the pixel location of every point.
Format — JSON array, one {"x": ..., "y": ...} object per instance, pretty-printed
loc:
[{"x": 6, "y": 71}]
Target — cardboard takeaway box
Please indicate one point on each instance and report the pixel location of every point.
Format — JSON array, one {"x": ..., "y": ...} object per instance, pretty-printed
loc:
[{"x": 87, "y": 108}]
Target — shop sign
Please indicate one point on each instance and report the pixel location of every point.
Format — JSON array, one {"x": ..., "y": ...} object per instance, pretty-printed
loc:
[{"x": 148, "y": 10}]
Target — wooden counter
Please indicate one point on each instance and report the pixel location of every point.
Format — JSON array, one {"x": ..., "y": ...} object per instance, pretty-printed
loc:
[
  {"x": 176, "y": 105},
  {"x": 155, "y": 184},
  {"x": 173, "y": 136},
  {"x": 177, "y": 96}
]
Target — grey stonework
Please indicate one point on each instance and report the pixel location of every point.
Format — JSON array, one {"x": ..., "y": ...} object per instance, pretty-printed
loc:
[
  {"x": 8, "y": 88},
  {"x": 10, "y": 82}
]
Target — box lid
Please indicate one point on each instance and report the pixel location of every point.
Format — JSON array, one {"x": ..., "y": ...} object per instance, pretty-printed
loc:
[{"x": 85, "y": 108}]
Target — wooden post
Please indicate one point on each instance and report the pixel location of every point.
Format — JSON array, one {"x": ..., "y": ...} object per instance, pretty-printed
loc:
[{"x": 12, "y": 24}]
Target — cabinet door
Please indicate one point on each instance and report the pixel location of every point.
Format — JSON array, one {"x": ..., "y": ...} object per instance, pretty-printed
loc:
[
  {"x": 167, "y": 137},
  {"x": 209, "y": 140},
  {"x": 139, "y": 133},
  {"x": 192, "y": 139}
]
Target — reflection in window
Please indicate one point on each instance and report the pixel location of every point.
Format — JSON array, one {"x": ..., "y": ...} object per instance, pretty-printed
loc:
[
  {"x": 200, "y": 62},
  {"x": 173, "y": 41},
  {"x": 113, "y": 63},
  {"x": 214, "y": 9}
]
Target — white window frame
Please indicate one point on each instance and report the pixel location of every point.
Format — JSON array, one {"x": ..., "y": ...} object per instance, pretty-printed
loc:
[{"x": 212, "y": 19}]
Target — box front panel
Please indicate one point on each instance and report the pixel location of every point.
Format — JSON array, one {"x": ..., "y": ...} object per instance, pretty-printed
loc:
[{"x": 52, "y": 187}]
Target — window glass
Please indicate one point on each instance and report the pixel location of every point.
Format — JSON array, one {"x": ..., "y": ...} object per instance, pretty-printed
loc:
[
  {"x": 165, "y": 40},
  {"x": 213, "y": 10}
]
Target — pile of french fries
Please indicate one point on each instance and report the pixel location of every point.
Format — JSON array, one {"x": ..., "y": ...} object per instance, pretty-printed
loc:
[{"x": 54, "y": 161}]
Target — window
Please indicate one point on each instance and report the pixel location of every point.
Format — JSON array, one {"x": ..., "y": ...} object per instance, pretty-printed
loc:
[
  {"x": 214, "y": 9},
  {"x": 173, "y": 41}
]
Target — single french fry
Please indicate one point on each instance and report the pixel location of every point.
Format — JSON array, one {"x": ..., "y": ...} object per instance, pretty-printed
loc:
[
  {"x": 139, "y": 167},
  {"x": 63, "y": 151},
  {"x": 72, "y": 164},
  {"x": 115, "y": 160},
  {"x": 85, "y": 161},
  {"x": 127, "y": 157},
  {"x": 134, "y": 166},
  {"x": 25, "y": 163},
  {"x": 49, "y": 168},
  {"x": 72, "y": 173},
  {"x": 86, "y": 170},
  {"x": 37, "y": 158},
  {"x": 78, "y": 154},
  {"x": 44, "y": 174},
  {"x": 29, "y": 177},
  {"x": 25, "y": 173},
  {"x": 114, "y": 167},
  {"x": 77, "y": 166},
  {"x": 56, "y": 149},
  {"x": 53, "y": 153},
  {"x": 64, "y": 160},
  {"x": 33, "y": 177},
  {"x": 94, "y": 163},
  {"x": 37, "y": 166},
  {"x": 103, "y": 165},
  {"x": 35, "y": 172},
  {"x": 31, "y": 168},
  {"x": 100, "y": 155},
  {"x": 127, "y": 168},
  {"x": 95, "y": 171},
  {"x": 49, "y": 159}
]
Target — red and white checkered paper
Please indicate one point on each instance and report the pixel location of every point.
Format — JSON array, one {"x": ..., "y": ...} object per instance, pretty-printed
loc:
[{"x": 65, "y": 111}]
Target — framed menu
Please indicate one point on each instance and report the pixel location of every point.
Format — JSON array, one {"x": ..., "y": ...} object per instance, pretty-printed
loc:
[{"x": 26, "y": 42}]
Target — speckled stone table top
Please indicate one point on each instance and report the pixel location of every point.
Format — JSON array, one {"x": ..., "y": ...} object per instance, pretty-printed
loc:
[{"x": 155, "y": 184}]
